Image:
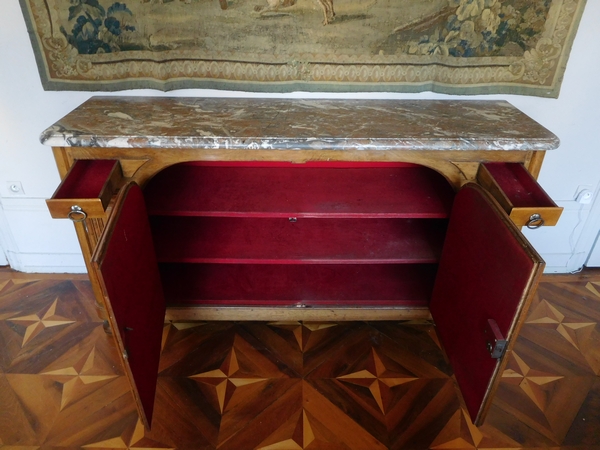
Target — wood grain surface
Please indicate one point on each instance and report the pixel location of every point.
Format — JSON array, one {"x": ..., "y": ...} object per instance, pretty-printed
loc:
[{"x": 291, "y": 385}]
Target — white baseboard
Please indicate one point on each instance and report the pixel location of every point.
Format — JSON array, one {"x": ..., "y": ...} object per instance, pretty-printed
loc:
[
  {"x": 33, "y": 242},
  {"x": 47, "y": 263},
  {"x": 561, "y": 263}
]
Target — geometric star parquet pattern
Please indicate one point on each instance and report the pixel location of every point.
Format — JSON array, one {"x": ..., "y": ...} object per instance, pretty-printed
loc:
[{"x": 282, "y": 385}]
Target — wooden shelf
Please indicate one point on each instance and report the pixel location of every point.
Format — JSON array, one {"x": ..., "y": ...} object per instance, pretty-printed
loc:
[
  {"x": 288, "y": 285},
  {"x": 277, "y": 240},
  {"x": 306, "y": 190},
  {"x": 235, "y": 234}
]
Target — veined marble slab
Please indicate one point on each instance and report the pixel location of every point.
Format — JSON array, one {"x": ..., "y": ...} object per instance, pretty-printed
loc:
[{"x": 145, "y": 122}]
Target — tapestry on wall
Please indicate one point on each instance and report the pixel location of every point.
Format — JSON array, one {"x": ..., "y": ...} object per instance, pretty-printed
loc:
[{"x": 450, "y": 46}]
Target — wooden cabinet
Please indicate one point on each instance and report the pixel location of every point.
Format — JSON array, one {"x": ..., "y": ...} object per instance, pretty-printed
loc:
[{"x": 307, "y": 210}]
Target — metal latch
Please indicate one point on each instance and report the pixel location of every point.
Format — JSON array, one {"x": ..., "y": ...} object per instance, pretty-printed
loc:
[
  {"x": 495, "y": 342},
  {"x": 125, "y": 350}
]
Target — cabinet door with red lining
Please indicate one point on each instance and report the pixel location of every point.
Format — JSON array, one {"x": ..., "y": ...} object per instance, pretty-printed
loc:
[
  {"x": 126, "y": 267},
  {"x": 487, "y": 276}
]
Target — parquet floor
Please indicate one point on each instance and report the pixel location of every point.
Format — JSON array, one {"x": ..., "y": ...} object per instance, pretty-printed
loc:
[{"x": 283, "y": 386}]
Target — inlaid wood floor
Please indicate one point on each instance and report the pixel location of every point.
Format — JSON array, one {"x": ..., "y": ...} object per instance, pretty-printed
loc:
[{"x": 255, "y": 385}]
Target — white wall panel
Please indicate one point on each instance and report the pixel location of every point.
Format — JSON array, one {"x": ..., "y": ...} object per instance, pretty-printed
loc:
[
  {"x": 38, "y": 243},
  {"x": 594, "y": 259}
]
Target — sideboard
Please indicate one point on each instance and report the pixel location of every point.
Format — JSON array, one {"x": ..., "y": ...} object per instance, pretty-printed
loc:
[{"x": 269, "y": 209}]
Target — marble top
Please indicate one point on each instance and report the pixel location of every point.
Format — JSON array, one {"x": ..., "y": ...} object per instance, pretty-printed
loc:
[{"x": 234, "y": 123}]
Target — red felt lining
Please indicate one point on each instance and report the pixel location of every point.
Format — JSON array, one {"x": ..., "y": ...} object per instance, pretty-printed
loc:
[
  {"x": 311, "y": 284},
  {"x": 519, "y": 186},
  {"x": 130, "y": 275},
  {"x": 86, "y": 179},
  {"x": 225, "y": 239},
  {"x": 483, "y": 272},
  {"x": 311, "y": 190}
]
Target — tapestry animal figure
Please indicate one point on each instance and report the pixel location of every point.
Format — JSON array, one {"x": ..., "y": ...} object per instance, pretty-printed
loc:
[
  {"x": 274, "y": 5},
  {"x": 328, "y": 13}
]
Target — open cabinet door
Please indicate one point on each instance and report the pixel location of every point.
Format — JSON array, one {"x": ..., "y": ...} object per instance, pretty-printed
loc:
[
  {"x": 126, "y": 267},
  {"x": 487, "y": 275}
]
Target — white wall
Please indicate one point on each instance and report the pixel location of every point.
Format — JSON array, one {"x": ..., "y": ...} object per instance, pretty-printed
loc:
[
  {"x": 594, "y": 259},
  {"x": 3, "y": 260},
  {"x": 34, "y": 242}
]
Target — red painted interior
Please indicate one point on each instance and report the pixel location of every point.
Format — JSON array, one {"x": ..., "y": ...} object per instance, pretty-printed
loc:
[
  {"x": 305, "y": 190},
  {"x": 262, "y": 240},
  {"x": 86, "y": 179},
  {"x": 362, "y": 233},
  {"x": 483, "y": 272},
  {"x": 311, "y": 284},
  {"x": 130, "y": 274},
  {"x": 518, "y": 185}
]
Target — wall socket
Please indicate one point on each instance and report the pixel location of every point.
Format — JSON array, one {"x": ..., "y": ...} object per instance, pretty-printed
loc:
[
  {"x": 584, "y": 195},
  {"x": 14, "y": 188}
]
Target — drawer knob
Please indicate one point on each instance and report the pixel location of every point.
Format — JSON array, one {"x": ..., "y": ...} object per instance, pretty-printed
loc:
[
  {"x": 77, "y": 214},
  {"x": 535, "y": 221}
]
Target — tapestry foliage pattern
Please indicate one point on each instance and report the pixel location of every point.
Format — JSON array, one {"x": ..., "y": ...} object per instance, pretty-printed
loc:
[{"x": 451, "y": 46}]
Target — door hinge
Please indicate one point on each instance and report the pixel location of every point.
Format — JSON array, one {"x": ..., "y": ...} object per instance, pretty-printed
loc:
[
  {"x": 495, "y": 341},
  {"x": 125, "y": 351}
]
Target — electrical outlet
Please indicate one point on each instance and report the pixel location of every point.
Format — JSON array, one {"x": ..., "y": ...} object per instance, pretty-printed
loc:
[
  {"x": 584, "y": 197},
  {"x": 14, "y": 188},
  {"x": 584, "y": 194}
]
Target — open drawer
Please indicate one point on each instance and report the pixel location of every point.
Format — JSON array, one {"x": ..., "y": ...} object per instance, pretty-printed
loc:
[
  {"x": 519, "y": 194},
  {"x": 86, "y": 190}
]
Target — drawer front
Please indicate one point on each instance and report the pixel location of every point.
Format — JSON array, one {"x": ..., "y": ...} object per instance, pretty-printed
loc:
[
  {"x": 519, "y": 194},
  {"x": 532, "y": 217},
  {"x": 87, "y": 190}
]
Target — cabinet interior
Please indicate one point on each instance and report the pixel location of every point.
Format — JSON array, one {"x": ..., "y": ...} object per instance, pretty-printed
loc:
[
  {"x": 521, "y": 189},
  {"x": 315, "y": 234},
  {"x": 87, "y": 179}
]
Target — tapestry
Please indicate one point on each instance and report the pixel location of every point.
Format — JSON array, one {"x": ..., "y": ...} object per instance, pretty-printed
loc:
[{"x": 447, "y": 46}]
